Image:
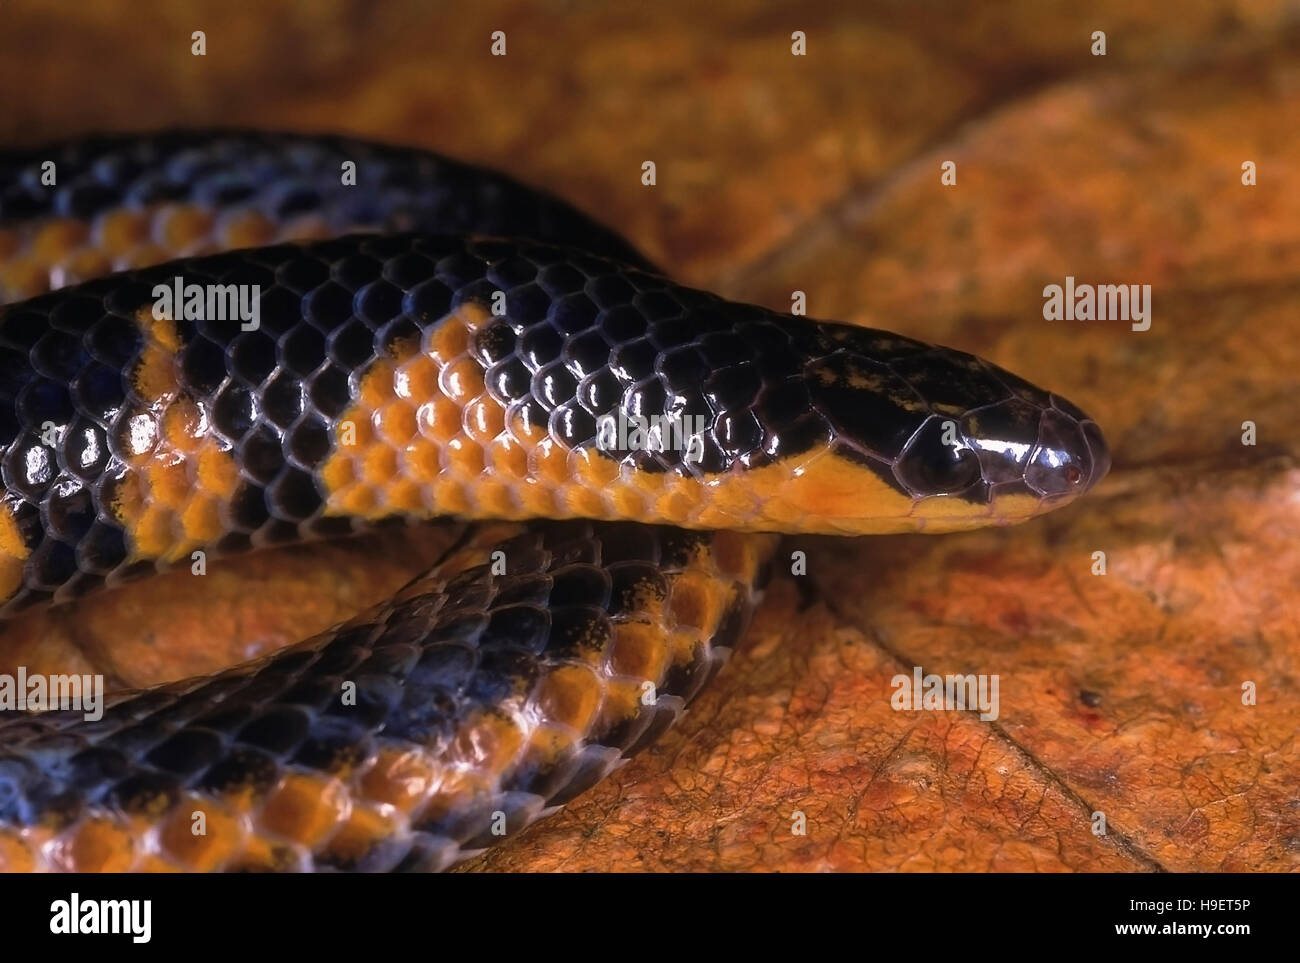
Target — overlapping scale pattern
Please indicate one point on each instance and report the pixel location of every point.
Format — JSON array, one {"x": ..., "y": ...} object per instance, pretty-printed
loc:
[
  {"x": 418, "y": 375},
  {"x": 77, "y": 209},
  {"x": 483, "y": 694}
]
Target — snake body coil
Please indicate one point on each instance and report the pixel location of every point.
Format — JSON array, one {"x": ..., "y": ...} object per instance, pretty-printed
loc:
[{"x": 628, "y": 444}]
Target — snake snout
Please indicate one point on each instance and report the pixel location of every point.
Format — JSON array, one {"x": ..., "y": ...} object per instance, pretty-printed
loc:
[
  {"x": 1099, "y": 454},
  {"x": 1070, "y": 455}
]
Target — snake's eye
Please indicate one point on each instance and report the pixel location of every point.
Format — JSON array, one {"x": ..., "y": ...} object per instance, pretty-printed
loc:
[
  {"x": 1061, "y": 456},
  {"x": 937, "y": 461}
]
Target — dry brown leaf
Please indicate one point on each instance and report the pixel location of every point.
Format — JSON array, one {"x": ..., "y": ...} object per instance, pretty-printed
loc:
[{"x": 1119, "y": 694}]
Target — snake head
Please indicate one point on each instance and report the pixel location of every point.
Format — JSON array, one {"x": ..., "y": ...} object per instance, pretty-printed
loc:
[{"x": 948, "y": 440}]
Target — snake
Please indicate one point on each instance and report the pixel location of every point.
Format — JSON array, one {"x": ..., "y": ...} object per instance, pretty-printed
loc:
[{"x": 215, "y": 341}]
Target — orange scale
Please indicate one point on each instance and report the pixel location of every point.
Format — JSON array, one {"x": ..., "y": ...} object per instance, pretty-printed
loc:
[
  {"x": 422, "y": 461},
  {"x": 24, "y": 278},
  {"x": 247, "y": 228},
  {"x": 97, "y": 846},
  {"x": 155, "y": 373},
  {"x": 378, "y": 386},
  {"x": 360, "y": 499},
  {"x": 417, "y": 378},
  {"x": 87, "y": 263},
  {"x": 528, "y": 433},
  {"x": 675, "y": 507},
  {"x": 183, "y": 426},
  {"x": 551, "y": 463},
  {"x": 570, "y": 695},
  {"x": 508, "y": 458},
  {"x": 638, "y": 650},
  {"x": 462, "y": 380},
  {"x": 439, "y": 418},
  {"x": 356, "y": 431},
  {"x": 168, "y": 477},
  {"x": 487, "y": 742},
  {"x": 537, "y": 500},
  {"x": 449, "y": 340},
  {"x": 16, "y": 854},
  {"x": 56, "y": 237},
  {"x": 405, "y": 495},
  {"x": 337, "y": 473},
  {"x": 585, "y": 503},
  {"x": 305, "y": 808},
  {"x": 218, "y": 473},
  {"x": 396, "y": 423},
  {"x": 451, "y": 497},
  {"x": 734, "y": 495},
  {"x": 222, "y": 839},
  {"x": 148, "y": 254},
  {"x": 736, "y": 555},
  {"x": 161, "y": 332},
  {"x": 484, "y": 419},
  {"x": 595, "y": 469},
  {"x": 496, "y": 497},
  {"x": 696, "y": 601},
  {"x": 363, "y": 829},
  {"x": 153, "y": 535},
  {"x": 201, "y": 519},
  {"x": 778, "y": 511},
  {"x": 179, "y": 227},
  {"x": 547, "y": 744},
  {"x": 118, "y": 231},
  {"x": 622, "y": 702},
  {"x": 406, "y": 367},
  {"x": 457, "y": 793},
  {"x": 652, "y": 483},
  {"x": 378, "y": 463},
  {"x": 682, "y": 646},
  {"x": 465, "y": 457},
  {"x": 474, "y": 315},
  {"x": 627, "y": 502},
  {"x": 400, "y": 778},
  {"x": 715, "y": 516}
]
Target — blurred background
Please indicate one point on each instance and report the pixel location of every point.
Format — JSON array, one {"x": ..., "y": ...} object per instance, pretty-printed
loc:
[{"x": 821, "y": 173}]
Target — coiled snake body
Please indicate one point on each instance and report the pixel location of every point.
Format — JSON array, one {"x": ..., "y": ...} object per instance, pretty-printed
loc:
[{"x": 438, "y": 341}]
